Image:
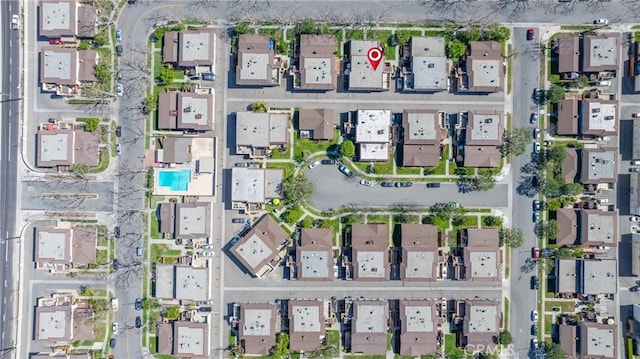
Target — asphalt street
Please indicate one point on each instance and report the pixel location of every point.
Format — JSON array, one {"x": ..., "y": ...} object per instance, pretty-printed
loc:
[
  {"x": 333, "y": 190},
  {"x": 67, "y": 196},
  {"x": 523, "y": 299},
  {"x": 10, "y": 104}
]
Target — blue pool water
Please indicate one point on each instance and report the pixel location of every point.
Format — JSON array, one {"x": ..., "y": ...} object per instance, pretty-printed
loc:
[{"x": 175, "y": 180}]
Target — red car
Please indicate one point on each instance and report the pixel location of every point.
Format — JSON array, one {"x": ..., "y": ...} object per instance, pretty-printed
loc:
[
  {"x": 535, "y": 252},
  {"x": 530, "y": 34},
  {"x": 55, "y": 41}
]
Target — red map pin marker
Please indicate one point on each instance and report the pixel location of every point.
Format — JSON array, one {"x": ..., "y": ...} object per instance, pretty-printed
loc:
[{"x": 374, "y": 55}]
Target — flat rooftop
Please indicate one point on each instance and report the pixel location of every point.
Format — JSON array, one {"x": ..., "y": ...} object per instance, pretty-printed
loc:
[
  {"x": 566, "y": 274},
  {"x": 482, "y": 319},
  {"x": 361, "y": 74},
  {"x": 55, "y": 145},
  {"x": 598, "y": 227},
  {"x": 190, "y": 340},
  {"x": 484, "y": 264},
  {"x": 165, "y": 283},
  {"x": 420, "y": 126},
  {"x": 318, "y": 71},
  {"x": 373, "y": 126},
  {"x": 261, "y": 129},
  {"x": 598, "y": 165},
  {"x": 419, "y": 264},
  {"x": 257, "y": 322},
  {"x": 599, "y": 340},
  {"x": 371, "y": 317},
  {"x": 306, "y": 318},
  {"x": 196, "y": 46},
  {"x": 59, "y": 66},
  {"x": 193, "y": 220},
  {"x": 195, "y": 111},
  {"x": 419, "y": 318},
  {"x": 600, "y": 52},
  {"x": 373, "y": 151},
  {"x": 53, "y": 323},
  {"x": 192, "y": 283},
  {"x": 485, "y": 127},
  {"x": 599, "y": 276},
  {"x": 255, "y": 185},
  {"x": 371, "y": 264},
  {"x": 53, "y": 244},
  {"x": 598, "y": 116},
  {"x": 429, "y": 63},
  {"x": 254, "y": 250},
  {"x": 255, "y": 56},
  {"x": 314, "y": 264},
  {"x": 57, "y": 16}
]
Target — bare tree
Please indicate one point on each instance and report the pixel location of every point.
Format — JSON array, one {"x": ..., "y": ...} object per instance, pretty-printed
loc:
[{"x": 128, "y": 273}]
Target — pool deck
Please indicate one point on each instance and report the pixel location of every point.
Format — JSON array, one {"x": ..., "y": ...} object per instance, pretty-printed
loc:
[{"x": 202, "y": 184}]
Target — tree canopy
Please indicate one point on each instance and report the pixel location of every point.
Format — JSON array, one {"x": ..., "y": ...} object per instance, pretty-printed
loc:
[
  {"x": 555, "y": 93},
  {"x": 296, "y": 189},
  {"x": 516, "y": 141},
  {"x": 347, "y": 149},
  {"x": 512, "y": 237},
  {"x": 456, "y": 49}
]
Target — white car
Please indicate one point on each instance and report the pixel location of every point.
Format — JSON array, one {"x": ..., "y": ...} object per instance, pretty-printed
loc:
[
  {"x": 114, "y": 328},
  {"x": 601, "y": 21},
  {"x": 314, "y": 164},
  {"x": 536, "y": 133},
  {"x": 534, "y": 343},
  {"x": 634, "y": 218},
  {"x": 120, "y": 90},
  {"x": 635, "y": 163},
  {"x": 536, "y": 147},
  {"x": 208, "y": 253},
  {"x": 115, "y": 304},
  {"x": 15, "y": 22},
  {"x": 118, "y": 35},
  {"x": 635, "y": 115},
  {"x": 534, "y": 315},
  {"x": 444, "y": 305},
  {"x": 366, "y": 183},
  {"x": 604, "y": 83},
  {"x": 603, "y": 138}
]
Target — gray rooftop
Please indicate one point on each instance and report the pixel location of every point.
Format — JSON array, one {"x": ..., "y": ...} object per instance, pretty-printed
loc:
[
  {"x": 192, "y": 283},
  {"x": 482, "y": 318},
  {"x": 257, "y": 322},
  {"x": 255, "y": 185},
  {"x": 419, "y": 318},
  {"x": 55, "y": 147},
  {"x": 485, "y": 126},
  {"x": 362, "y": 76},
  {"x": 598, "y": 340},
  {"x": 599, "y": 276},
  {"x": 165, "y": 281},
  {"x": 195, "y": 111},
  {"x": 318, "y": 71},
  {"x": 314, "y": 264},
  {"x": 261, "y": 129},
  {"x": 598, "y": 165},
  {"x": 370, "y": 317},
  {"x": 306, "y": 318},
  {"x": 599, "y": 116},
  {"x": 566, "y": 275},
  {"x": 598, "y": 227},
  {"x": 59, "y": 66},
  {"x": 373, "y": 126},
  {"x": 53, "y": 245},
  {"x": 254, "y": 250},
  {"x": 193, "y": 220},
  {"x": 254, "y": 60},
  {"x": 483, "y": 264},
  {"x": 58, "y": 17},
  {"x": 190, "y": 340},
  {"x": 371, "y": 264},
  {"x": 419, "y": 264},
  {"x": 53, "y": 323},
  {"x": 314, "y": 255},
  {"x": 429, "y": 63},
  {"x": 197, "y": 47},
  {"x": 420, "y": 126},
  {"x": 600, "y": 52}
]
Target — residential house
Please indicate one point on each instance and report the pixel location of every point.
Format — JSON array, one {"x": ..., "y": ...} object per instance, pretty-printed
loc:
[
  {"x": 419, "y": 252},
  {"x": 370, "y": 252},
  {"x": 187, "y": 111},
  {"x": 190, "y": 220},
  {"x": 484, "y": 68},
  {"x": 317, "y": 63},
  {"x": 182, "y": 282},
  {"x": 587, "y": 117},
  {"x": 482, "y": 257},
  {"x": 586, "y": 276},
  {"x": 259, "y": 249},
  {"x": 66, "y": 19},
  {"x": 257, "y": 64},
  {"x": 257, "y": 134},
  {"x": 192, "y": 50},
  {"x": 481, "y": 323},
  {"x": 317, "y": 124},
  {"x": 429, "y": 66},
  {"x": 419, "y": 327},
  {"x": 483, "y": 139},
  {"x": 369, "y": 327},
  {"x": 314, "y": 255},
  {"x": 306, "y": 325},
  {"x": 587, "y": 227},
  {"x": 66, "y": 146},
  {"x": 373, "y": 135},
  {"x": 257, "y": 328},
  {"x": 64, "y": 247},
  {"x": 593, "y": 167},
  {"x": 252, "y": 188},
  {"x": 362, "y": 76},
  {"x": 423, "y": 134},
  {"x": 63, "y": 70},
  {"x": 184, "y": 339}
]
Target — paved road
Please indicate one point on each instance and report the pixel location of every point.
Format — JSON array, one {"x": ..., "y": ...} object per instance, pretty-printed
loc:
[
  {"x": 10, "y": 105},
  {"x": 41, "y": 195},
  {"x": 333, "y": 190},
  {"x": 523, "y": 299}
]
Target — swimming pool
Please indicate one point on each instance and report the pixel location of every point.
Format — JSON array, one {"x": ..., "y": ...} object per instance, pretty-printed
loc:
[{"x": 175, "y": 180}]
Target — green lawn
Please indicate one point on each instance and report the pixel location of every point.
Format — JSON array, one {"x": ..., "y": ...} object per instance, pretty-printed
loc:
[
  {"x": 161, "y": 250},
  {"x": 409, "y": 171},
  {"x": 155, "y": 226},
  {"x": 103, "y": 162},
  {"x": 153, "y": 201},
  {"x": 281, "y": 155},
  {"x": 486, "y": 219},
  {"x": 438, "y": 170},
  {"x": 292, "y": 215},
  {"x": 506, "y": 313},
  {"x": 289, "y": 168},
  {"x": 408, "y": 218},
  {"x": 566, "y": 306},
  {"x": 383, "y": 37},
  {"x": 304, "y": 147},
  {"x": 469, "y": 222},
  {"x": 333, "y": 338},
  {"x": 102, "y": 256},
  {"x": 450, "y": 348},
  {"x": 548, "y": 324},
  {"x": 354, "y": 34},
  {"x": 384, "y": 168},
  {"x": 377, "y": 218}
]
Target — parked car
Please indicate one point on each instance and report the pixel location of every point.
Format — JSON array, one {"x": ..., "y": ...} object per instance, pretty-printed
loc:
[
  {"x": 239, "y": 220},
  {"x": 328, "y": 162},
  {"x": 116, "y": 264},
  {"x": 534, "y": 118},
  {"x": 119, "y": 75},
  {"x": 530, "y": 34},
  {"x": 366, "y": 183},
  {"x": 118, "y": 131},
  {"x": 118, "y": 35},
  {"x": 534, "y": 343},
  {"x": 15, "y": 22},
  {"x": 138, "y": 322},
  {"x": 433, "y": 185},
  {"x": 605, "y": 83},
  {"x": 139, "y": 251},
  {"x": 536, "y": 147},
  {"x": 118, "y": 149},
  {"x": 634, "y": 169},
  {"x": 138, "y": 304},
  {"x": 116, "y": 232},
  {"x": 635, "y": 115},
  {"x": 634, "y": 218},
  {"x": 314, "y": 164},
  {"x": 536, "y": 205},
  {"x": 52, "y": 120},
  {"x": 386, "y": 184},
  {"x": 536, "y": 216},
  {"x": 601, "y": 21},
  {"x": 120, "y": 90},
  {"x": 453, "y": 205},
  {"x": 208, "y": 253},
  {"x": 635, "y": 163},
  {"x": 119, "y": 50},
  {"x": 634, "y": 289},
  {"x": 114, "y": 328},
  {"x": 534, "y": 329},
  {"x": 536, "y": 133},
  {"x": 404, "y": 184},
  {"x": 534, "y": 315},
  {"x": 112, "y": 343},
  {"x": 603, "y": 138},
  {"x": 535, "y": 282},
  {"x": 204, "y": 309},
  {"x": 538, "y": 96},
  {"x": 345, "y": 170},
  {"x": 234, "y": 240},
  {"x": 56, "y": 41},
  {"x": 399, "y": 83},
  {"x": 535, "y": 252},
  {"x": 115, "y": 304},
  {"x": 547, "y": 252},
  {"x": 444, "y": 305}
]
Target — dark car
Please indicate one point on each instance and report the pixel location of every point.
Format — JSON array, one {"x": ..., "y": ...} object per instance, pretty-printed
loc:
[
  {"x": 547, "y": 252},
  {"x": 328, "y": 162},
  {"x": 138, "y": 304},
  {"x": 530, "y": 33},
  {"x": 386, "y": 184},
  {"x": 393, "y": 40},
  {"x": 406, "y": 184},
  {"x": 536, "y": 205},
  {"x": 138, "y": 322},
  {"x": 204, "y": 309},
  {"x": 634, "y": 169},
  {"x": 538, "y": 96},
  {"x": 118, "y": 131},
  {"x": 534, "y": 329},
  {"x": 112, "y": 343},
  {"x": 634, "y": 289},
  {"x": 239, "y": 220},
  {"x": 535, "y": 282},
  {"x": 433, "y": 185},
  {"x": 116, "y": 231},
  {"x": 116, "y": 264},
  {"x": 52, "y": 120},
  {"x": 242, "y": 164},
  {"x": 119, "y": 50},
  {"x": 534, "y": 118}
]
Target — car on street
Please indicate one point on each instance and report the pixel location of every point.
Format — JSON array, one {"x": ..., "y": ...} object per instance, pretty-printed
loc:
[
  {"x": 404, "y": 184},
  {"x": 138, "y": 304},
  {"x": 115, "y": 304},
  {"x": 208, "y": 253},
  {"x": 204, "y": 309},
  {"x": 530, "y": 34},
  {"x": 114, "y": 328},
  {"x": 386, "y": 184},
  {"x": 52, "y": 120},
  {"x": 118, "y": 131},
  {"x": 239, "y": 220},
  {"x": 635, "y": 163},
  {"x": 533, "y": 118},
  {"x": 345, "y": 170},
  {"x": 444, "y": 305},
  {"x": 634, "y": 169},
  {"x": 120, "y": 90},
  {"x": 601, "y": 21},
  {"x": 635, "y": 115},
  {"x": 328, "y": 162},
  {"x": 116, "y": 264},
  {"x": 547, "y": 252},
  {"x": 536, "y": 205},
  {"x": 535, "y": 282},
  {"x": 535, "y": 252},
  {"x": 536, "y": 133},
  {"x": 634, "y": 218},
  {"x": 138, "y": 322},
  {"x": 234, "y": 240},
  {"x": 314, "y": 164},
  {"x": 538, "y": 96},
  {"x": 119, "y": 50},
  {"x": 433, "y": 185},
  {"x": 399, "y": 83},
  {"x": 116, "y": 232},
  {"x": 15, "y": 22},
  {"x": 453, "y": 205},
  {"x": 534, "y": 329},
  {"x": 366, "y": 183},
  {"x": 118, "y": 35},
  {"x": 241, "y": 164},
  {"x": 536, "y": 147},
  {"x": 118, "y": 149},
  {"x": 536, "y": 216},
  {"x": 534, "y": 344},
  {"x": 139, "y": 251},
  {"x": 534, "y": 315},
  {"x": 112, "y": 343},
  {"x": 119, "y": 75},
  {"x": 634, "y": 288}
]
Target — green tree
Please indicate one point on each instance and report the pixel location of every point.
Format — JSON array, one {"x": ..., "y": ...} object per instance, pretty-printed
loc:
[
  {"x": 458, "y": 220},
  {"x": 296, "y": 189},
  {"x": 551, "y": 229},
  {"x": 564, "y": 253},
  {"x": 166, "y": 75},
  {"x": 100, "y": 39},
  {"x": 258, "y": 106},
  {"x": 323, "y": 223},
  {"x": 492, "y": 221},
  {"x": 306, "y": 222},
  {"x": 149, "y": 303},
  {"x": 571, "y": 189},
  {"x": 84, "y": 45},
  {"x": 556, "y": 154},
  {"x": 242, "y": 28},
  {"x": 305, "y": 27},
  {"x": 80, "y": 170},
  {"x": 90, "y": 123},
  {"x": 555, "y": 93},
  {"x": 103, "y": 72},
  {"x": 347, "y": 149},
  {"x": 149, "y": 104},
  {"x": 290, "y": 216},
  {"x": 473, "y": 33},
  {"x": 496, "y": 32},
  {"x": 580, "y": 82},
  {"x": 484, "y": 181},
  {"x": 512, "y": 237},
  {"x": 516, "y": 141},
  {"x": 456, "y": 49},
  {"x": 173, "y": 313},
  {"x": 281, "y": 350},
  {"x": 429, "y": 220},
  {"x": 403, "y": 36},
  {"x": 554, "y": 351},
  {"x": 505, "y": 337}
]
